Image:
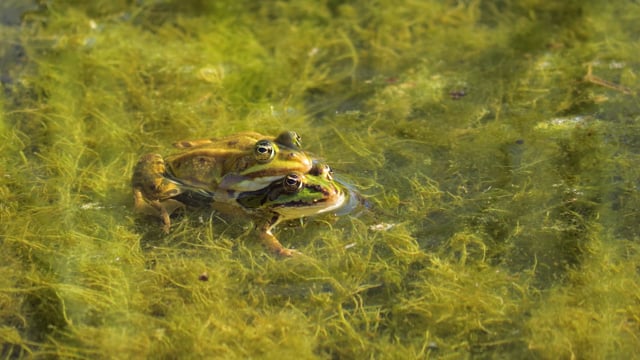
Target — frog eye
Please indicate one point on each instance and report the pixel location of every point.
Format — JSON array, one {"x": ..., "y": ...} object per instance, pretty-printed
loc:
[
  {"x": 264, "y": 151},
  {"x": 290, "y": 139},
  {"x": 292, "y": 182}
]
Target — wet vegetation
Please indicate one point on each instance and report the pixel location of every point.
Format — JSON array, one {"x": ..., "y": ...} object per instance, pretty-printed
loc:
[{"x": 496, "y": 144}]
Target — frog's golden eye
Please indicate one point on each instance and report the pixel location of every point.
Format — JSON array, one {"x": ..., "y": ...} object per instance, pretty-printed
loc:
[
  {"x": 292, "y": 182},
  {"x": 265, "y": 151}
]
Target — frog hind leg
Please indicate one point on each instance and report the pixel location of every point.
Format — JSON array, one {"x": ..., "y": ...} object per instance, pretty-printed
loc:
[
  {"x": 153, "y": 191},
  {"x": 162, "y": 209}
]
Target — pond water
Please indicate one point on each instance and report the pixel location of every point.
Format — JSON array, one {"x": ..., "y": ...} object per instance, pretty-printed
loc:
[{"x": 495, "y": 146}]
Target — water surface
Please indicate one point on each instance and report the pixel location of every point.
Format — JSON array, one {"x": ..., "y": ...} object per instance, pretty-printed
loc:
[{"x": 496, "y": 144}]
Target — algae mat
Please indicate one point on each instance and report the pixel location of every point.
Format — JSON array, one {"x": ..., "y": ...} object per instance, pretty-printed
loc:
[{"x": 496, "y": 143}]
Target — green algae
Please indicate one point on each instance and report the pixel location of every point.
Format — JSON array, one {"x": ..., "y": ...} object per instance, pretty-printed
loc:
[{"x": 496, "y": 144}]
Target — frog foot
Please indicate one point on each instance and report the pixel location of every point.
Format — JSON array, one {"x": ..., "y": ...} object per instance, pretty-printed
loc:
[
  {"x": 273, "y": 245},
  {"x": 285, "y": 252}
]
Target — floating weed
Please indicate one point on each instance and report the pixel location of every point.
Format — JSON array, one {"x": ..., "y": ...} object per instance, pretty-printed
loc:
[
  {"x": 427, "y": 193},
  {"x": 476, "y": 303},
  {"x": 465, "y": 244},
  {"x": 588, "y": 315},
  {"x": 500, "y": 183}
]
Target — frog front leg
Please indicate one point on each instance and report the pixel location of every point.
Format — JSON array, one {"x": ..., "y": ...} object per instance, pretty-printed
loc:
[{"x": 271, "y": 242}]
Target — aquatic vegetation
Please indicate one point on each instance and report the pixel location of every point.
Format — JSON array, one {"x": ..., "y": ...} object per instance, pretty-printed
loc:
[{"x": 495, "y": 145}]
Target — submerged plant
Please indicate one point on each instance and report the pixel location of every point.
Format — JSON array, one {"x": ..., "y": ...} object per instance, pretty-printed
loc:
[{"x": 495, "y": 145}]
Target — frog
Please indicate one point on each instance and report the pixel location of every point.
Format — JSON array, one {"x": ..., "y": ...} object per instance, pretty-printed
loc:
[
  {"x": 295, "y": 196},
  {"x": 245, "y": 161}
]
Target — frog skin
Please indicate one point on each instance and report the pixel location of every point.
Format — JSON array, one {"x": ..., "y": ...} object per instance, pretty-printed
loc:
[{"x": 245, "y": 161}]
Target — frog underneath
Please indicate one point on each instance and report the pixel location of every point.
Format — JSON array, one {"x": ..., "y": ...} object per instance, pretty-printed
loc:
[{"x": 295, "y": 196}]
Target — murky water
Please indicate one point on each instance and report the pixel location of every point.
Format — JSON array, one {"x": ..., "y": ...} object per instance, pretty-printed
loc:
[{"x": 495, "y": 146}]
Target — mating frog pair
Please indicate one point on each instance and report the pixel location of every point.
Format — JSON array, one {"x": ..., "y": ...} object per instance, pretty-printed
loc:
[{"x": 269, "y": 178}]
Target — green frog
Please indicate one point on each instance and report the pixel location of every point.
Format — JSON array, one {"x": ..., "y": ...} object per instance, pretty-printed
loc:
[
  {"x": 294, "y": 196},
  {"x": 243, "y": 162}
]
